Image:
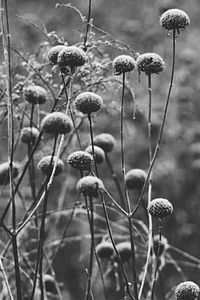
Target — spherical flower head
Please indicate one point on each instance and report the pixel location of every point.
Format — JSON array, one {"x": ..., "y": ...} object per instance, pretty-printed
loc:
[
  {"x": 174, "y": 19},
  {"x": 46, "y": 165},
  {"x": 53, "y": 54},
  {"x": 4, "y": 172},
  {"x": 90, "y": 186},
  {"x": 35, "y": 94},
  {"x": 187, "y": 290},
  {"x": 162, "y": 247},
  {"x": 99, "y": 155},
  {"x": 123, "y": 64},
  {"x": 56, "y": 123},
  {"x": 105, "y": 141},
  {"x": 29, "y": 135},
  {"x": 104, "y": 250},
  {"x": 160, "y": 208},
  {"x": 88, "y": 102},
  {"x": 80, "y": 160},
  {"x": 150, "y": 63},
  {"x": 124, "y": 250},
  {"x": 71, "y": 56},
  {"x": 135, "y": 179}
]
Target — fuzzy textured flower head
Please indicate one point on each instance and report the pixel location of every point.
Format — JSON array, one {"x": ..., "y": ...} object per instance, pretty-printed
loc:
[
  {"x": 29, "y": 135},
  {"x": 46, "y": 165},
  {"x": 90, "y": 186},
  {"x": 56, "y": 123},
  {"x": 124, "y": 250},
  {"x": 150, "y": 63},
  {"x": 104, "y": 250},
  {"x": 160, "y": 208},
  {"x": 4, "y": 172},
  {"x": 123, "y": 64},
  {"x": 71, "y": 56},
  {"x": 135, "y": 179},
  {"x": 52, "y": 55},
  {"x": 88, "y": 102},
  {"x": 187, "y": 290},
  {"x": 174, "y": 19},
  {"x": 80, "y": 160},
  {"x": 35, "y": 94},
  {"x": 105, "y": 141},
  {"x": 99, "y": 155}
]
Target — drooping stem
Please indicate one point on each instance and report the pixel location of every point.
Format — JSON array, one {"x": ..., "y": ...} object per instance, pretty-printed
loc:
[{"x": 88, "y": 24}]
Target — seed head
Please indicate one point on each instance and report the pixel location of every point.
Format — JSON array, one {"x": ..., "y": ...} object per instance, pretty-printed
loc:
[
  {"x": 81, "y": 160},
  {"x": 4, "y": 172},
  {"x": 29, "y": 135},
  {"x": 56, "y": 123},
  {"x": 99, "y": 154},
  {"x": 124, "y": 250},
  {"x": 90, "y": 186},
  {"x": 105, "y": 141},
  {"x": 187, "y": 290},
  {"x": 104, "y": 249},
  {"x": 160, "y": 208},
  {"x": 150, "y": 63},
  {"x": 135, "y": 179},
  {"x": 123, "y": 64},
  {"x": 35, "y": 94},
  {"x": 53, "y": 54},
  {"x": 163, "y": 245},
  {"x": 88, "y": 102},
  {"x": 71, "y": 56},
  {"x": 174, "y": 19},
  {"x": 46, "y": 165}
]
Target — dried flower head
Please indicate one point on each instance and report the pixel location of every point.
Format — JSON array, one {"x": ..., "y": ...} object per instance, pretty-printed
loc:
[
  {"x": 124, "y": 250},
  {"x": 99, "y": 155},
  {"x": 160, "y": 208},
  {"x": 29, "y": 135},
  {"x": 105, "y": 141},
  {"x": 174, "y": 19},
  {"x": 150, "y": 63},
  {"x": 135, "y": 179},
  {"x": 46, "y": 165},
  {"x": 187, "y": 290},
  {"x": 53, "y": 54},
  {"x": 56, "y": 123},
  {"x": 123, "y": 64},
  {"x": 35, "y": 94},
  {"x": 104, "y": 250},
  {"x": 80, "y": 160},
  {"x": 163, "y": 244},
  {"x": 88, "y": 102},
  {"x": 4, "y": 172},
  {"x": 90, "y": 186},
  {"x": 71, "y": 56}
]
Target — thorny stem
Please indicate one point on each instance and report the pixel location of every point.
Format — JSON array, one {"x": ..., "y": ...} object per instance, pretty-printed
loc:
[
  {"x": 88, "y": 24},
  {"x": 92, "y": 143}
]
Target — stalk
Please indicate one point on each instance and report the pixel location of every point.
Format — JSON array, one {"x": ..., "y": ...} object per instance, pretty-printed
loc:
[
  {"x": 92, "y": 143},
  {"x": 88, "y": 24}
]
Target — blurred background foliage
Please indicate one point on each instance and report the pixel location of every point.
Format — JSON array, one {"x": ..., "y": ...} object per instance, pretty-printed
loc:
[{"x": 177, "y": 170}]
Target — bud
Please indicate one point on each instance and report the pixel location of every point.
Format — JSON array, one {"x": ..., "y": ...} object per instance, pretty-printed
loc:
[
  {"x": 104, "y": 249},
  {"x": 150, "y": 63},
  {"x": 124, "y": 250},
  {"x": 174, "y": 19},
  {"x": 29, "y": 135},
  {"x": 187, "y": 290},
  {"x": 71, "y": 56},
  {"x": 99, "y": 155},
  {"x": 135, "y": 179},
  {"x": 53, "y": 54}
]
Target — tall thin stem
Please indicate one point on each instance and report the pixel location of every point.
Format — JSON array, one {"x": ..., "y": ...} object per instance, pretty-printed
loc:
[
  {"x": 88, "y": 24},
  {"x": 92, "y": 143}
]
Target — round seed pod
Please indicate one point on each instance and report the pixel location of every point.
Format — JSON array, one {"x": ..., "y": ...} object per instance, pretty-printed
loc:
[
  {"x": 163, "y": 245},
  {"x": 35, "y": 94},
  {"x": 71, "y": 56},
  {"x": 90, "y": 186},
  {"x": 88, "y": 102},
  {"x": 4, "y": 172},
  {"x": 53, "y": 54},
  {"x": 99, "y": 154},
  {"x": 187, "y": 290},
  {"x": 46, "y": 166},
  {"x": 49, "y": 283},
  {"x": 56, "y": 123},
  {"x": 174, "y": 19},
  {"x": 105, "y": 141},
  {"x": 29, "y": 135},
  {"x": 150, "y": 63},
  {"x": 123, "y": 64},
  {"x": 81, "y": 160},
  {"x": 160, "y": 208},
  {"x": 124, "y": 250},
  {"x": 104, "y": 250},
  {"x": 135, "y": 179}
]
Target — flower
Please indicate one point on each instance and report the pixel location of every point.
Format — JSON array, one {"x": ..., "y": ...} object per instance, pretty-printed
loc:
[
  {"x": 5, "y": 173},
  {"x": 105, "y": 141},
  {"x": 150, "y": 63},
  {"x": 104, "y": 249},
  {"x": 88, "y": 102},
  {"x": 160, "y": 208},
  {"x": 135, "y": 179},
  {"x": 174, "y": 19},
  {"x": 187, "y": 290},
  {"x": 53, "y": 54},
  {"x": 99, "y": 155},
  {"x": 81, "y": 160},
  {"x": 123, "y": 63},
  {"x": 90, "y": 186},
  {"x": 29, "y": 135},
  {"x": 71, "y": 56},
  {"x": 35, "y": 94},
  {"x": 46, "y": 165},
  {"x": 56, "y": 123}
]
